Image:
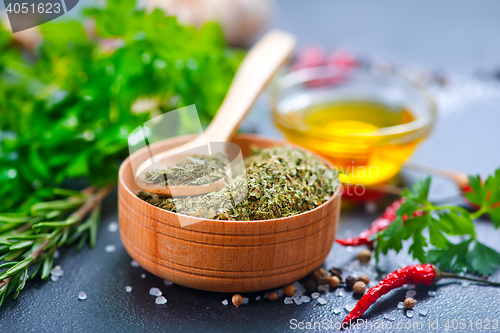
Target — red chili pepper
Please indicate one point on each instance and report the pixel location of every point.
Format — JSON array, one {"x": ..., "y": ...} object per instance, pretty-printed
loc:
[
  {"x": 380, "y": 224},
  {"x": 425, "y": 274},
  {"x": 415, "y": 274}
]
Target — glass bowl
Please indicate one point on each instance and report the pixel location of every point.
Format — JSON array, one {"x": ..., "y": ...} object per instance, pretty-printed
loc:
[{"x": 367, "y": 124}]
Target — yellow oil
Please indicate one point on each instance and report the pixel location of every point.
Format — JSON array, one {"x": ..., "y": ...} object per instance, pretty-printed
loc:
[{"x": 346, "y": 133}]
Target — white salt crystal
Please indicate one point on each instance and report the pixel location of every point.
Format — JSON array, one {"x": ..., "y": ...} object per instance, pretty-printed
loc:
[
  {"x": 391, "y": 317},
  {"x": 370, "y": 206},
  {"x": 305, "y": 299},
  {"x": 315, "y": 295},
  {"x": 297, "y": 300},
  {"x": 410, "y": 313},
  {"x": 279, "y": 292},
  {"x": 54, "y": 277},
  {"x": 339, "y": 292},
  {"x": 113, "y": 227},
  {"x": 155, "y": 292},
  {"x": 244, "y": 300},
  {"x": 410, "y": 286},
  {"x": 128, "y": 289},
  {"x": 257, "y": 298},
  {"x": 143, "y": 276},
  {"x": 225, "y": 302},
  {"x": 349, "y": 307},
  {"x": 82, "y": 296},
  {"x": 57, "y": 271},
  {"x": 324, "y": 287},
  {"x": 299, "y": 287},
  {"x": 410, "y": 293},
  {"x": 401, "y": 305},
  {"x": 465, "y": 284},
  {"x": 110, "y": 248},
  {"x": 134, "y": 263},
  {"x": 322, "y": 301},
  {"x": 266, "y": 295},
  {"x": 160, "y": 300},
  {"x": 349, "y": 249},
  {"x": 337, "y": 310},
  {"x": 423, "y": 312},
  {"x": 288, "y": 300},
  {"x": 432, "y": 293},
  {"x": 167, "y": 283}
]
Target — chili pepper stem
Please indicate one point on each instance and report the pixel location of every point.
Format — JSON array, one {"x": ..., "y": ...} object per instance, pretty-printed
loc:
[{"x": 444, "y": 275}]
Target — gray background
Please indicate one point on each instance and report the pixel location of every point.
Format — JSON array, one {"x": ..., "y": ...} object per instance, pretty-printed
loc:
[{"x": 452, "y": 36}]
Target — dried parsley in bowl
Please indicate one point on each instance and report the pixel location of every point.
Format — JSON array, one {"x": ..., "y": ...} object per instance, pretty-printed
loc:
[
  {"x": 281, "y": 181},
  {"x": 197, "y": 170}
]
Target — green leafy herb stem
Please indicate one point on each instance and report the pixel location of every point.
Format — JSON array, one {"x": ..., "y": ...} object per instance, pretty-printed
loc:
[{"x": 446, "y": 235}]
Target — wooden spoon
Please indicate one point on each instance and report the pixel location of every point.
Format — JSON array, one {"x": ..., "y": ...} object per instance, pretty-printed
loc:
[{"x": 260, "y": 64}]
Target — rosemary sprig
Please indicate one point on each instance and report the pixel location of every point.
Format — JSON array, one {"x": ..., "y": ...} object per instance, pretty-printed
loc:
[{"x": 28, "y": 242}]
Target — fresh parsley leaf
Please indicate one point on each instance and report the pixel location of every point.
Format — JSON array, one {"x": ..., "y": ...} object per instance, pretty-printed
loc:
[
  {"x": 483, "y": 259},
  {"x": 430, "y": 233}
]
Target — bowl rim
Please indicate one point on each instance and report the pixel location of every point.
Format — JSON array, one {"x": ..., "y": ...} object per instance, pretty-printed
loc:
[
  {"x": 301, "y": 76},
  {"x": 245, "y": 136}
]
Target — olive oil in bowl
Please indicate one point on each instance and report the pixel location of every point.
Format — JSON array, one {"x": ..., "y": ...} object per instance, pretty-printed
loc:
[{"x": 367, "y": 128}]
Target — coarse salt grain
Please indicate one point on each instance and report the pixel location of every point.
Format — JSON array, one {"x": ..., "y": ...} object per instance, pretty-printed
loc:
[
  {"x": 339, "y": 292},
  {"x": 160, "y": 300},
  {"x": 315, "y": 295},
  {"x": 167, "y": 283},
  {"x": 155, "y": 292},
  {"x": 266, "y": 295},
  {"x": 225, "y": 302},
  {"x": 410, "y": 313},
  {"x": 432, "y": 293},
  {"x": 82, "y": 296},
  {"x": 128, "y": 289},
  {"x": 322, "y": 301},
  {"x": 337, "y": 310},
  {"x": 143, "y": 276},
  {"x": 288, "y": 300},
  {"x": 391, "y": 317},
  {"x": 297, "y": 300},
  {"x": 349, "y": 307},
  {"x": 410, "y": 293},
  {"x": 305, "y": 299},
  {"x": 257, "y": 298},
  {"x": 134, "y": 263},
  {"x": 324, "y": 287},
  {"x": 244, "y": 300},
  {"x": 57, "y": 271},
  {"x": 113, "y": 227},
  {"x": 110, "y": 248},
  {"x": 54, "y": 277},
  {"x": 423, "y": 312},
  {"x": 401, "y": 305}
]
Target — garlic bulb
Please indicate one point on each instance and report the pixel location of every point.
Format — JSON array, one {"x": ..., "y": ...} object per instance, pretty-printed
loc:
[{"x": 240, "y": 20}]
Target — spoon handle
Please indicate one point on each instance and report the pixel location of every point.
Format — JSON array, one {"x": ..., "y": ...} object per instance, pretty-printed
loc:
[{"x": 254, "y": 73}]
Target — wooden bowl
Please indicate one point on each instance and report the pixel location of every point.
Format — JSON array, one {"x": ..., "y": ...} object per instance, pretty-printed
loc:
[{"x": 224, "y": 256}]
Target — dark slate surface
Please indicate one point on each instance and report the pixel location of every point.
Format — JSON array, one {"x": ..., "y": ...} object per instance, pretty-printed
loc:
[{"x": 457, "y": 35}]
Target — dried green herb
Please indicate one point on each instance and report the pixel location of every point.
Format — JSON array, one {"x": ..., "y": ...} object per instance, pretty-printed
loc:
[
  {"x": 279, "y": 182},
  {"x": 197, "y": 170}
]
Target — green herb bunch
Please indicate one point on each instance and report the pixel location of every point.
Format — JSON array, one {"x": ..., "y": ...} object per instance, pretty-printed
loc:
[
  {"x": 66, "y": 112},
  {"x": 446, "y": 235}
]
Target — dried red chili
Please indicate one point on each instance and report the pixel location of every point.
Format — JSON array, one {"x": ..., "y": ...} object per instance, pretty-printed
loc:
[
  {"x": 380, "y": 224},
  {"x": 425, "y": 274}
]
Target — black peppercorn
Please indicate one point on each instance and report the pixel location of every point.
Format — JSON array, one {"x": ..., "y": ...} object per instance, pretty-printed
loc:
[
  {"x": 311, "y": 285},
  {"x": 350, "y": 281},
  {"x": 336, "y": 272}
]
